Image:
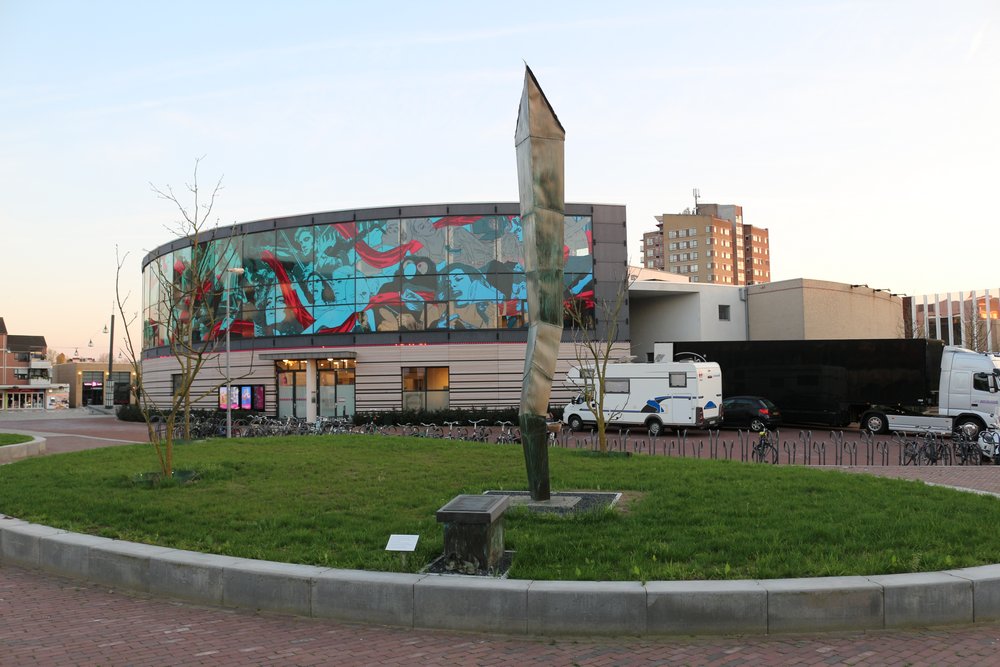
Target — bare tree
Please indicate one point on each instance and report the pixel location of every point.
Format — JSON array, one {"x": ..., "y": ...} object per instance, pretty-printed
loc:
[
  {"x": 974, "y": 326},
  {"x": 595, "y": 340},
  {"x": 185, "y": 313}
]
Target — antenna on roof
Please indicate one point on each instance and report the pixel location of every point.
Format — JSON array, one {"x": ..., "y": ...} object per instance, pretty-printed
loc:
[{"x": 697, "y": 193}]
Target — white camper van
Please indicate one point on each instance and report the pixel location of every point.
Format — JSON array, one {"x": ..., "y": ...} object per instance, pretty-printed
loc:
[{"x": 657, "y": 395}]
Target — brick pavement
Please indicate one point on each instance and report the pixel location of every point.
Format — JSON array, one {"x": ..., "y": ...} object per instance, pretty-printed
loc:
[
  {"x": 54, "y": 622},
  {"x": 50, "y": 621}
]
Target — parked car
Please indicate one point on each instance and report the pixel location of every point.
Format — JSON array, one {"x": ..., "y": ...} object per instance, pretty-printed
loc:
[{"x": 753, "y": 412}]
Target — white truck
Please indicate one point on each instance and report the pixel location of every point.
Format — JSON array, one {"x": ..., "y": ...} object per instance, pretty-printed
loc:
[
  {"x": 968, "y": 392},
  {"x": 656, "y": 395},
  {"x": 913, "y": 385}
]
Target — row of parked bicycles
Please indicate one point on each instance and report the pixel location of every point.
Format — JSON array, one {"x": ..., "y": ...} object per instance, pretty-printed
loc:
[
  {"x": 502, "y": 432},
  {"x": 963, "y": 448}
]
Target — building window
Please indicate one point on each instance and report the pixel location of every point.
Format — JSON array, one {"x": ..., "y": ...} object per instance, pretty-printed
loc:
[
  {"x": 175, "y": 383},
  {"x": 425, "y": 388},
  {"x": 724, "y": 313}
]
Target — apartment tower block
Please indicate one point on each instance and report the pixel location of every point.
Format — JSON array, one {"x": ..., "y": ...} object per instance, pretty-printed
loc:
[{"x": 709, "y": 245}]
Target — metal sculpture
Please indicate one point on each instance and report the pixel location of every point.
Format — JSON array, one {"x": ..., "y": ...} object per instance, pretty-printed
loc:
[{"x": 539, "y": 139}]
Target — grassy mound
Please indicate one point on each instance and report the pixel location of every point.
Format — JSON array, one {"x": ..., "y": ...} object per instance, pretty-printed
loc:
[{"x": 334, "y": 501}]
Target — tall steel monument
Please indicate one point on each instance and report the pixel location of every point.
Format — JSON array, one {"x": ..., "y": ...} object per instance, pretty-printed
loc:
[{"x": 540, "y": 139}]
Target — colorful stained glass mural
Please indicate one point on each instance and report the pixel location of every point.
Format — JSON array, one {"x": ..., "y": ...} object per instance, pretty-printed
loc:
[{"x": 410, "y": 274}]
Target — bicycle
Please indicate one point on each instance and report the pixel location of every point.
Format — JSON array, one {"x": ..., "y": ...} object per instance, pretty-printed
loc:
[
  {"x": 966, "y": 448},
  {"x": 430, "y": 431},
  {"x": 478, "y": 433},
  {"x": 764, "y": 450},
  {"x": 452, "y": 433},
  {"x": 988, "y": 445},
  {"x": 507, "y": 435},
  {"x": 926, "y": 452}
]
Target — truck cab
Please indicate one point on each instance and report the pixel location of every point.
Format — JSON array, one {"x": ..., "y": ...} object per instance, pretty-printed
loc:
[{"x": 968, "y": 398}]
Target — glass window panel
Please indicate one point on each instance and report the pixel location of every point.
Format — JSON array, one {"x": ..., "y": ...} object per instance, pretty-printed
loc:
[
  {"x": 432, "y": 236},
  {"x": 334, "y": 249},
  {"x": 513, "y": 314},
  {"x": 510, "y": 244},
  {"x": 471, "y": 241},
  {"x": 437, "y": 378},
  {"x": 473, "y": 315},
  {"x": 413, "y": 378},
  {"x": 378, "y": 248},
  {"x": 256, "y": 249}
]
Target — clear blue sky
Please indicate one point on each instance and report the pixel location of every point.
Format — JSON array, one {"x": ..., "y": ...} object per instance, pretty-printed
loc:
[{"x": 863, "y": 134}]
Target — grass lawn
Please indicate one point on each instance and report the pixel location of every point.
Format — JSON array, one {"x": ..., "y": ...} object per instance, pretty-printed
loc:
[
  {"x": 334, "y": 501},
  {"x": 13, "y": 438}
]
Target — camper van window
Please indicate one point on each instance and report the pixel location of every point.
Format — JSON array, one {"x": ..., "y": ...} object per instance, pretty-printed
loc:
[
  {"x": 678, "y": 379},
  {"x": 616, "y": 386}
]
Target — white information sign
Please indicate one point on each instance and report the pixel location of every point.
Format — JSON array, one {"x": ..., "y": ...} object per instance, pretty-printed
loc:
[{"x": 402, "y": 543}]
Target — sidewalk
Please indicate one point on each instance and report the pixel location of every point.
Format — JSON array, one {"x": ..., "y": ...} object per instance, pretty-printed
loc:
[{"x": 46, "y": 415}]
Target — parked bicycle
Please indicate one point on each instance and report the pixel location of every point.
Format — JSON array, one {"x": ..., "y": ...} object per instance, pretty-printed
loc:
[
  {"x": 507, "y": 435},
  {"x": 927, "y": 451},
  {"x": 477, "y": 432},
  {"x": 764, "y": 449}
]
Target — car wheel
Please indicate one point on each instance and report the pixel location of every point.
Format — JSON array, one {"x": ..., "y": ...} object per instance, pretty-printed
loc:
[
  {"x": 575, "y": 423},
  {"x": 875, "y": 422},
  {"x": 655, "y": 427},
  {"x": 757, "y": 425}
]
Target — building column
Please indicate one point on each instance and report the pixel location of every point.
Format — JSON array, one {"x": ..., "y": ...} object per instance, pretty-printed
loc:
[{"x": 312, "y": 391}]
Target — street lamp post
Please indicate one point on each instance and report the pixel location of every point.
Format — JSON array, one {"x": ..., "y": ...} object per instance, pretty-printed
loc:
[
  {"x": 229, "y": 325},
  {"x": 109, "y": 396}
]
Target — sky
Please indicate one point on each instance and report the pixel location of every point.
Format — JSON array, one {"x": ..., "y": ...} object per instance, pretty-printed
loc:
[{"x": 864, "y": 135}]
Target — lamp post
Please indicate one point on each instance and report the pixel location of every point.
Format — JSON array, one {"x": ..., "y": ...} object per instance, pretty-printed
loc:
[
  {"x": 109, "y": 395},
  {"x": 229, "y": 325}
]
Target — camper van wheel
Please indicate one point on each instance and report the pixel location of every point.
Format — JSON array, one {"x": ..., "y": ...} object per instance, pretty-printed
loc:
[
  {"x": 874, "y": 422},
  {"x": 575, "y": 423},
  {"x": 970, "y": 426},
  {"x": 655, "y": 428}
]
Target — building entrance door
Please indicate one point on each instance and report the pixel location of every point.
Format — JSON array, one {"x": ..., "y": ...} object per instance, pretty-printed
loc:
[
  {"x": 292, "y": 398},
  {"x": 335, "y": 385}
]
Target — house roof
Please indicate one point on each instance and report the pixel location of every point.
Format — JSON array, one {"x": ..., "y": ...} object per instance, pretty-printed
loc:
[{"x": 26, "y": 343}]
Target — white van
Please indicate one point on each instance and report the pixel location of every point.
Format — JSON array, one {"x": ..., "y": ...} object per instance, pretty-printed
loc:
[{"x": 658, "y": 395}]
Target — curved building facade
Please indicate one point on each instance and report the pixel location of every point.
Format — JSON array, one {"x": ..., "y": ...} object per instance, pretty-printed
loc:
[{"x": 372, "y": 309}]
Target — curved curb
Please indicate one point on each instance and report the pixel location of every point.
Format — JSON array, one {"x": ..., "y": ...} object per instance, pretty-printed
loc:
[
  {"x": 22, "y": 450},
  {"x": 453, "y": 602}
]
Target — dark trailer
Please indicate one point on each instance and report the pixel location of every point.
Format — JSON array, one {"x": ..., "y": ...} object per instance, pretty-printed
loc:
[{"x": 830, "y": 382}]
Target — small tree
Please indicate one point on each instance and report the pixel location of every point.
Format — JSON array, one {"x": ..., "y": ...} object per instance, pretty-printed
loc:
[
  {"x": 185, "y": 313},
  {"x": 595, "y": 341}
]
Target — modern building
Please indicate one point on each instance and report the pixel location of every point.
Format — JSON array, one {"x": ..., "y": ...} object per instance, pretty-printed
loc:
[
  {"x": 799, "y": 309},
  {"x": 711, "y": 244},
  {"x": 968, "y": 318},
  {"x": 25, "y": 378},
  {"x": 86, "y": 381},
  {"x": 373, "y": 309}
]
